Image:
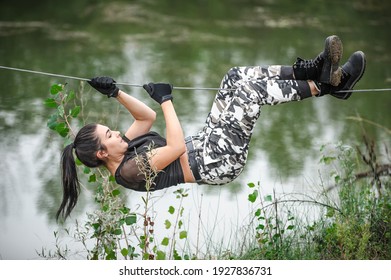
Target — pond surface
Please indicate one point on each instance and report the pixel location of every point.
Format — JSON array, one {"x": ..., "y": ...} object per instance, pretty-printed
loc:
[{"x": 190, "y": 44}]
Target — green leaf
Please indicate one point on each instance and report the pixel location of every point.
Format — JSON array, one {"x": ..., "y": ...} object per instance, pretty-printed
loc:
[
  {"x": 116, "y": 192},
  {"x": 268, "y": 198},
  {"x": 253, "y": 197},
  {"x": 327, "y": 160},
  {"x": 165, "y": 241},
  {"x": 121, "y": 222},
  {"x": 111, "y": 178},
  {"x": 167, "y": 224},
  {"x": 56, "y": 89},
  {"x": 62, "y": 129},
  {"x": 50, "y": 102},
  {"x": 117, "y": 231},
  {"x": 183, "y": 234},
  {"x": 160, "y": 255},
  {"x": 276, "y": 236},
  {"x": 96, "y": 226},
  {"x": 290, "y": 227},
  {"x": 124, "y": 252},
  {"x": 130, "y": 220},
  {"x": 92, "y": 178},
  {"x": 70, "y": 96},
  {"x": 258, "y": 212},
  {"x": 260, "y": 226},
  {"x": 177, "y": 257},
  {"x": 75, "y": 111},
  {"x": 111, "y": 256},
  {"x": 124, "y": 210},
  {"x": 61, "y": 126},
  {"x": 181, "y": 212},
  {"x": 251, "y": 185},
  {"x": 52, "y": 122},
  {"x": 61, "y": 111},
  {"x": 171, "y": 210}
]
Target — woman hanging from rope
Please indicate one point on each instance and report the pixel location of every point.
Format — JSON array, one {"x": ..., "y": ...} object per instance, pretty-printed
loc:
[{"x": 218, "y": 152}]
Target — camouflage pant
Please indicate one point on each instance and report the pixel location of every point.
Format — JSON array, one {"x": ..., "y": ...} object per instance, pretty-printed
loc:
[{"x": 221, "y": 147}]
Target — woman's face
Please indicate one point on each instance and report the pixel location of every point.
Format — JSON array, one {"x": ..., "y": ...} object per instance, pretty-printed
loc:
[{"x": 111, "y": 140}]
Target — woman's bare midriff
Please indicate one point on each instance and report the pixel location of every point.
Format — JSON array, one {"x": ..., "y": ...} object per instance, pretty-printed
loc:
[{"x": 187, "y": 173}]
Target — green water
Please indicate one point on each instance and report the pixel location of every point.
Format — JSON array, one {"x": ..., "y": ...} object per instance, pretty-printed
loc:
[{"x": 186, "y": 43}]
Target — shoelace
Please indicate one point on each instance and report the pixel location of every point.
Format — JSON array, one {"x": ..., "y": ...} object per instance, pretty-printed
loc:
[{"x": 309, "y": 63}]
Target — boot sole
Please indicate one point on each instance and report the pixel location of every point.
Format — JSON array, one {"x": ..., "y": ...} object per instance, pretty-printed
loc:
[
  {"x": 346, "y": 92},
  {"x": 331, "y": 72}
]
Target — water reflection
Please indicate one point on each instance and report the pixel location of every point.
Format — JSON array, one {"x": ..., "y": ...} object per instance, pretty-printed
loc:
[{"x": 191, "y": 45}]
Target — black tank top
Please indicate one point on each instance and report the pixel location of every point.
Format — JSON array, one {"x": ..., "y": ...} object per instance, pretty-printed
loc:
[{"x": 131, "y": 171}]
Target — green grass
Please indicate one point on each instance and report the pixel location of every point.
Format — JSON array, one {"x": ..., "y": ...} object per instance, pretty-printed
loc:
[{"x": 353, "y": 224}]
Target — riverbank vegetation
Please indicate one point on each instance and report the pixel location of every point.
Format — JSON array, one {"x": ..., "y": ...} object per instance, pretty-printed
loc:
[
  {"x": 348, "y": 218},
  {"x": 354, "y": 214}
]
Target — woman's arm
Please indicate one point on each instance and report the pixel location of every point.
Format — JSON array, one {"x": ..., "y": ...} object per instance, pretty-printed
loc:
[
  {"x": 163, "y": 156},
  {"x": 144, "y": 116}
]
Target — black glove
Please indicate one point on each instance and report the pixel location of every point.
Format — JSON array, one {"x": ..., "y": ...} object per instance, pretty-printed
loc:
[
  {"x": 159, "y": 92},
  {"x": 105, "y": 85}
]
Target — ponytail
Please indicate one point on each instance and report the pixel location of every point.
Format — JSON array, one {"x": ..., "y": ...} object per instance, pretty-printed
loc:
[
  {"x": 70, "y": 183},
  {"x": 86, "y": 146}
]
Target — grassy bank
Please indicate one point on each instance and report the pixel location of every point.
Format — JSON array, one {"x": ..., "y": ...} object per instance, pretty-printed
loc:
[{"x": 354, "y": 214}]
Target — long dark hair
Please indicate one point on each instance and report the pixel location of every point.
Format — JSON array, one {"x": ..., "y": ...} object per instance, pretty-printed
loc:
[{"x": 86, "y": 145}]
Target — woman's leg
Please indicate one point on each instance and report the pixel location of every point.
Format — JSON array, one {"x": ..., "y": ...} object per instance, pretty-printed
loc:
[
  {"x": 226, "y": 136},
  {"x": 222, "y": 146},
  {"x": 324, "y": 68},
  {"x": 275, "y": 74}
]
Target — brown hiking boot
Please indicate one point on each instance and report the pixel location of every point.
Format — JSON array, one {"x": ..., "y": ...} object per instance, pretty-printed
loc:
[
  {"x": 324, "y": 68},
  {"x": 352, "y": 71}
]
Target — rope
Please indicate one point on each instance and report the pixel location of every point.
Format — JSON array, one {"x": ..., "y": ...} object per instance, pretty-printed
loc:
[{"x": 140, "y": 86}]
